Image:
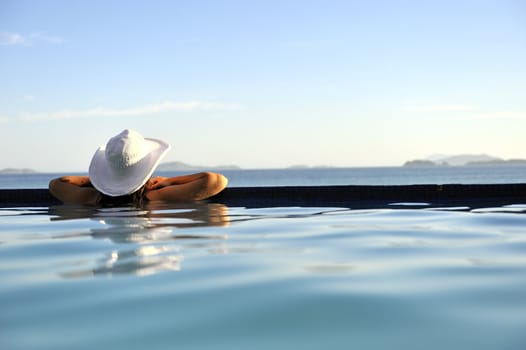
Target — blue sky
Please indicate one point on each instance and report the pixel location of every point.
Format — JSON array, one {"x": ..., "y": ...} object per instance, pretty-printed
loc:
[{"x": 263, "y": 84}]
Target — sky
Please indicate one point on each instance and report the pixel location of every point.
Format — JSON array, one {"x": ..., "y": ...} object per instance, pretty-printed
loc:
[{"x": 262, "y": 84}]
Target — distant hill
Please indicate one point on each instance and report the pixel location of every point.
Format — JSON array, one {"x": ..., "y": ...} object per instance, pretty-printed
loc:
[
  {"x": 499, "y": 162},
  {"x": 302, "y": 166},
  {"x": 14, "y": 171},
  {"x": 180, "y": 166},
  {"x": 463, "y": 160},
  {"x": 420, "y": 163}
]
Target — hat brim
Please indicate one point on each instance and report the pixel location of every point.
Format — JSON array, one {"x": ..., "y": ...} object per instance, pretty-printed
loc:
[{"x": 108, "y": 182}]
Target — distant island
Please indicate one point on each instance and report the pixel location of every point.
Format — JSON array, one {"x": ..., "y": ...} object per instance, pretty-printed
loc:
[
  {"x": 180, "y": 166},
  {"x": 15, "y": 171},
  {"x": 463, "y": 160},
  {"x": 420, "y": 163},
  {"x": 501, "y": 162},
  {"x": 303, "y": 166}
]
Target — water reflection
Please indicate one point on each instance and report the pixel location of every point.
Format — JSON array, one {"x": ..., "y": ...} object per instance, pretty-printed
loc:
[{"x": 146, "y": 240}]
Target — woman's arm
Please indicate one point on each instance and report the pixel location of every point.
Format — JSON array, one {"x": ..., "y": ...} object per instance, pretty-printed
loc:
[
  {"x": 74, "y": 190},
  {"x": 185, "y": 188}
]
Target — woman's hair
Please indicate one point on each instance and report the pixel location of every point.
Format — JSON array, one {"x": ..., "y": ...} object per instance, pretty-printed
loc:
[{"x": 136, "y": 199}]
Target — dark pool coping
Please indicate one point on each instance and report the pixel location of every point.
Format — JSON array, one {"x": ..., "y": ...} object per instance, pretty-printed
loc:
[{"x": 470, "y": 195}]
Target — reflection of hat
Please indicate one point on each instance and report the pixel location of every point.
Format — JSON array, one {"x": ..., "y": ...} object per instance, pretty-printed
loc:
[{"x": 125, "y": 163}]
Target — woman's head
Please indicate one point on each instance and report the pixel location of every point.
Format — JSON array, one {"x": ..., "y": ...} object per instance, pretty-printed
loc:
[{"x": 125, "y": 163}]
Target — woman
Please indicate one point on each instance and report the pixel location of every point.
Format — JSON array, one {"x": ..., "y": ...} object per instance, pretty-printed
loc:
[{"x": 120, "y": 173}]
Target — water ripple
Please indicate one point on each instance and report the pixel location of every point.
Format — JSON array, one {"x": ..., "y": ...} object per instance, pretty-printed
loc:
[{"x": 163, "y": 276}]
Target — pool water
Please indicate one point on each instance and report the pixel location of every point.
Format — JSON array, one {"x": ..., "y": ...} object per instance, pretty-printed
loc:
[{"x": 206, "y": 276}]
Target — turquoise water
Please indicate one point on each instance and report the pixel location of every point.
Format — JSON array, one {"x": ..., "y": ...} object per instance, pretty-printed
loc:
[{"x": 205, "y": 276}]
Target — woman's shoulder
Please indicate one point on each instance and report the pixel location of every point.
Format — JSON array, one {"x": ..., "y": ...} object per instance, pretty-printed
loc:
[
  {"x": 74, "y": 190},
  {"x": 185, "y": 188}
]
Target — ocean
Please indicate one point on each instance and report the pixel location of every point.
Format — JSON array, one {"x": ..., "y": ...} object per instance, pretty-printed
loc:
[
  {"x": 210, "y": 276},
  {"x": 329, "y": 176}
]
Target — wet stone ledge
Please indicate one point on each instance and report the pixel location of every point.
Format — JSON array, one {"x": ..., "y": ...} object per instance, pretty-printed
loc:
[{"x": 473, "y": 196}]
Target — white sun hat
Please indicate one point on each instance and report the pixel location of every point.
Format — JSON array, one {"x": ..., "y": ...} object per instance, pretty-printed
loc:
[{"x": 125, "y": 163}]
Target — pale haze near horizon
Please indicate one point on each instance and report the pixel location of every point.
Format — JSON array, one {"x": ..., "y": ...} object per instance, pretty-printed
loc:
[{"x": 263, "y": 84}]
